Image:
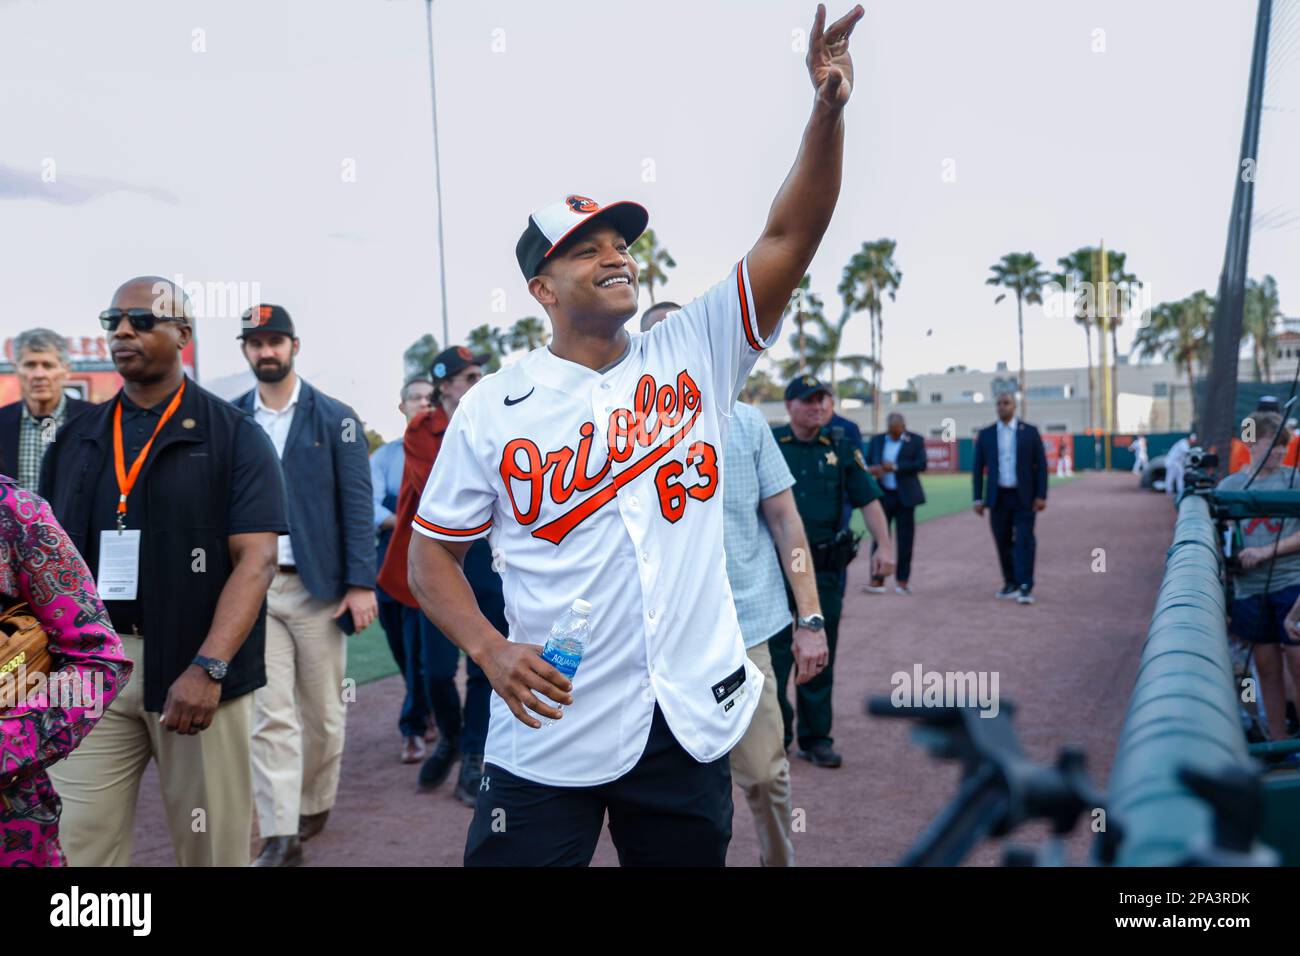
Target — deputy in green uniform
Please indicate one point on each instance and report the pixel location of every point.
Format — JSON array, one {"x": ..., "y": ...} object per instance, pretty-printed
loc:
[{"x": 827, "y": 471}]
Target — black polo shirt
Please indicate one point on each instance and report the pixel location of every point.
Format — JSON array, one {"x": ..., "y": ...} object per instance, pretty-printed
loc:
[{"x": 251, "y": 508}]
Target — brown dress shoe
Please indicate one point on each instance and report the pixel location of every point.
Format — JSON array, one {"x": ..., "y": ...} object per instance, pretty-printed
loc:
[
  {"x": 280, "y": 851},
  {"x": 311, "y": 824},
  {"x": 412, "y": 750}
]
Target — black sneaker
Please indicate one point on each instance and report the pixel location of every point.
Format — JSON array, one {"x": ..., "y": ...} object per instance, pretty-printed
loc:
[
  {"x": 435, "y": 770},
  {"x": 821, "y": 755},
  {"x": 1009, "y": 591},
  {"x": 471, "y": 775},
  {"x": 1024, "y": 597}
]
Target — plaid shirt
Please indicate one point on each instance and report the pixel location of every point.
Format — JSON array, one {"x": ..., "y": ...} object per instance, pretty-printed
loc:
[
  {"x": 753, "y": 469},
  {"x": 32, "y": 445}
]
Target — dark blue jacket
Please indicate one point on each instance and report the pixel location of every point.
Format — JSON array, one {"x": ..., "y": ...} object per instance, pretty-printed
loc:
[
  {"x": 326, "y": 466},
  {"x": 1031, "y": 465},
  {"x": 911, "y": 462}
]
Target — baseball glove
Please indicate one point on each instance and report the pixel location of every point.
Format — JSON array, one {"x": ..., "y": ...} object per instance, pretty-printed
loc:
[{"x": 23, "y": 644}]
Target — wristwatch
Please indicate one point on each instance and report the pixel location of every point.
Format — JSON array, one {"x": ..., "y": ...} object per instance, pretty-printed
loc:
[
  {"x": 813, "y": 622},
  {"x": 212, "y": 667}
]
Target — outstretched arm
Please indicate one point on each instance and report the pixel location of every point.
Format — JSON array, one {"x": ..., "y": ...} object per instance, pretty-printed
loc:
[{"x": 802, "y": 209}]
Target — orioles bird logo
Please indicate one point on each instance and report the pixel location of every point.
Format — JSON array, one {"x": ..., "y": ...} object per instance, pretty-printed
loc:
[{"x": 581, "y": 204}]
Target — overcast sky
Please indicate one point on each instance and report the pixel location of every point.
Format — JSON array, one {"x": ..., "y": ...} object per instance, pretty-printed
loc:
[{"x": 288, "y": 146}]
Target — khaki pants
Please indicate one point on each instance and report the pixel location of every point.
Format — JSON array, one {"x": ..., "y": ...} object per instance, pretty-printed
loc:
[
  {"x": 760, "y": 768},
  {"x": 206, "y": 784},
  {"x": 298, "y": 725}
]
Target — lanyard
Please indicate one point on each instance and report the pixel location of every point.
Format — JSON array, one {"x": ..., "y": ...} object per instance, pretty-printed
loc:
[{"x": 126, "y": 480}]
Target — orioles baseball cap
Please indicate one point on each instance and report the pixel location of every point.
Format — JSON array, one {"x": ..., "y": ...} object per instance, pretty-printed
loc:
[
  {"x": 450, "y": 361},
  {"x": 266, "y": 318},
  {"x": 549, "y": 226},
  {"x": 803, "y": 386}
]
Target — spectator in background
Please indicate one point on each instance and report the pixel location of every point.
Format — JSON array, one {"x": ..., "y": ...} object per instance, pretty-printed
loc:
[
  {"x": 1239, "y": 455},
  {"x": 462, "y": 732},
  {"x": 324, "y": 588},
  {"x": 386, "y": 465},
  {"x": 28, "y": 425},
  {"x": 1267, "y": 588},
  {"x": 1064, "y": 464},
  {"x": 896, "y": 460},
  {"x": 168, "y": 479}
]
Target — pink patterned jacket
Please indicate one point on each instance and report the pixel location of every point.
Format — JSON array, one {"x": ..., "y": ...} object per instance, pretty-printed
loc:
[{"x": 39, "y": 565}]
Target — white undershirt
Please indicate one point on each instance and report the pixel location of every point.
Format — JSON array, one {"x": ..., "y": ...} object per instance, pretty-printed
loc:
[{"x": 276, "y": 424}]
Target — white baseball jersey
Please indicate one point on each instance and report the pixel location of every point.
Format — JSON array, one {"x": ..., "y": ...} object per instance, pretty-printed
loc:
[{"x": 606, "y": 486}]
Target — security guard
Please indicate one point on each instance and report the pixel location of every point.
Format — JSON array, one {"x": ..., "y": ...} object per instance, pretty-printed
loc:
[{"x": 826, "y": 469}]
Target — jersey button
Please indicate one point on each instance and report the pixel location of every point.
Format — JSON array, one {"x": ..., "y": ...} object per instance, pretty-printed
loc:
[
  {"x": 652, "y": 614},
  {"x": 645, "y": 556},
  {"x": 633, "y": 504},
  {"x": 605, "y": 385}
]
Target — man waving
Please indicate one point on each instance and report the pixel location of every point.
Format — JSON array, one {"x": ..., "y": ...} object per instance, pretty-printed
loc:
[{"x": 592, "y": 467}]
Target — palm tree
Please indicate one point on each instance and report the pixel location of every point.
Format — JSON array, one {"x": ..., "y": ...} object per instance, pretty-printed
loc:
[
  {"x": 821, "y": 343},
  {"x": 1260, "y": 323},
  {"x": 1179, "y": 332},
  {"x": 419, "y": 356},
  {"x": 490, "y": 340},
  {"x": 869, "y": 276},
  {"x": 651, "y": 259},
  {"x": 528, "y": 333},
  {"x": 1020, "y": 272},
  {"x": 802, "y": 305}
]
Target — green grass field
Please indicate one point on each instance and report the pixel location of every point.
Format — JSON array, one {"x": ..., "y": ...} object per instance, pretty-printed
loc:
[
  {"x": 369, "y": 658},
  {"x": 944, "y": 495}
]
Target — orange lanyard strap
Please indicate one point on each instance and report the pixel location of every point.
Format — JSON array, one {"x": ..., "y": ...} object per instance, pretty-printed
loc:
[{"x": 126, "y": 480}]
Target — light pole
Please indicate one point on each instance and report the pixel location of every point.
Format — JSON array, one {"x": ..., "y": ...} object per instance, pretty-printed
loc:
[{"x": 437, "y": 172}]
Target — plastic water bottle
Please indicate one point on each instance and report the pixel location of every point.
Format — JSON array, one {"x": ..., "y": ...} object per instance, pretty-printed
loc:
[{"x": 566, "y": 645}]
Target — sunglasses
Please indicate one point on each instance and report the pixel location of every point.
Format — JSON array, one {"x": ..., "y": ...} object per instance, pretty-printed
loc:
[{"x": 142, "y": 320}]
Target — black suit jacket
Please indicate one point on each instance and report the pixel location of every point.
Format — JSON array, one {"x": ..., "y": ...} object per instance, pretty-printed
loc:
[
  {"x": 11, "y": 418},
  {"x": 1031, "y": 465},
  {"x": 911, "y": 462}
]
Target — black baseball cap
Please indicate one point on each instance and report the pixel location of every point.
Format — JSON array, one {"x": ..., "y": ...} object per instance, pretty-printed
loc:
[
  {"x": 549, "y": 226},
  {"x": 266, "y": 318},
  {"x": 450, "y": 361},
  {"x": 803, "y": 386}
]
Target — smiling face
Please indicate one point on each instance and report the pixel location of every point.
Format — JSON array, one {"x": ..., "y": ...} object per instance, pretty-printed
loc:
[
  {"x": 591, "y": 280},
  {"x": 145, "y": 357}
]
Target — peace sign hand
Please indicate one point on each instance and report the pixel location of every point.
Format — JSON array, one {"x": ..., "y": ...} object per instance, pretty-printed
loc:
[{"x": 829, "y": 63}]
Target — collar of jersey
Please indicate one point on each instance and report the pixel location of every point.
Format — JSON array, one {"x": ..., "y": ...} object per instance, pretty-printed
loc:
[{"x": 552, "y": 371}]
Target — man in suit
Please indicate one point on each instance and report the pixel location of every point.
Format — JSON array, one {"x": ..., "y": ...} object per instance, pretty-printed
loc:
[
  {"x": 325, "y": 570},
  {"x": 28, "y": 425},
  {"x": 896, "y": 458},
  {"x": 1012, "y": 453}
]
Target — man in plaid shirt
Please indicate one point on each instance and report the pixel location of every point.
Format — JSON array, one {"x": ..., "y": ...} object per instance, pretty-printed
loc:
[
  {"x": 762, "y": 533},
  {"x": 28, "y": 425}
]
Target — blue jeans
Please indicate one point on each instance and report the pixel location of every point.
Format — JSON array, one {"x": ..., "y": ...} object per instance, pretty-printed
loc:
[{"x": 414, "y": 718}]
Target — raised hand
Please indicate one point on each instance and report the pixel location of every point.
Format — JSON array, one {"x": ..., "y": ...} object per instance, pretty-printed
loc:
[{"x": 829, "y": 63}]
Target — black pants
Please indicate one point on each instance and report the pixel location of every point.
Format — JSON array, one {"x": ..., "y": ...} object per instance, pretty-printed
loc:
[
  {"x": 902, "y": 522},
  {"x": 668, "y": 810},
  {"x": 813, "y": 699},
  {"x": 1013, "y": 530}
]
